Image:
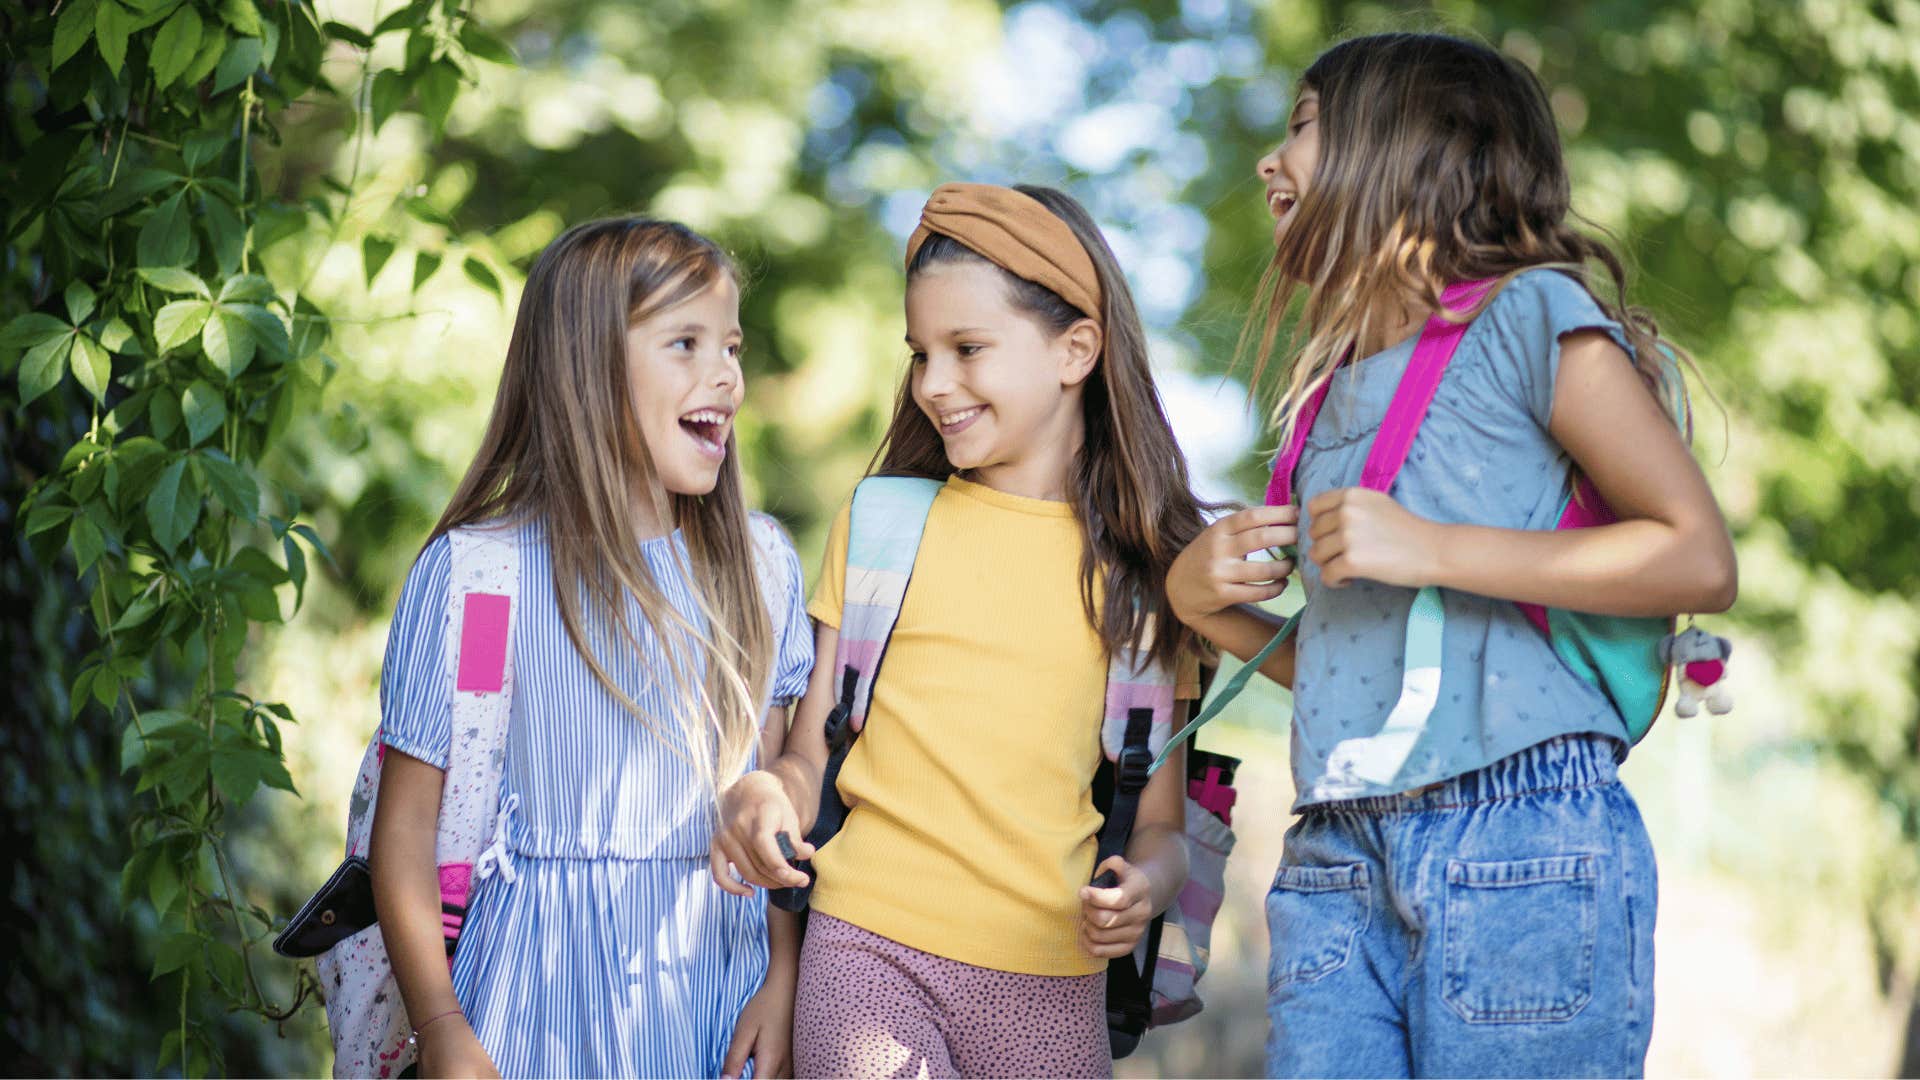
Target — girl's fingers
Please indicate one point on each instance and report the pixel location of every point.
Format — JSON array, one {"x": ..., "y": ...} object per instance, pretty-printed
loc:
[
  {"x": 1258, "y": 517},
  {"x": 738, "y": 1051},
  {"x": 1253, "y": 594},
  {"x": 717, "y": 862},
  {"x": 1268, "y": 536},
  {"x": 1250, "y": 571}
]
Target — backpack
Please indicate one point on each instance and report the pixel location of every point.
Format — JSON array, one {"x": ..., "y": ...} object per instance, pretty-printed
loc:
[
  {"x": 1619, "y": 655},
  {"x": 1156, "y": 984},
  {"x": 372, "y": 1035}
]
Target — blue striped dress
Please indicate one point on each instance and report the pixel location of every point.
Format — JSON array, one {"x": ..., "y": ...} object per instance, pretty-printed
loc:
[{"x": 602, "y": 947}]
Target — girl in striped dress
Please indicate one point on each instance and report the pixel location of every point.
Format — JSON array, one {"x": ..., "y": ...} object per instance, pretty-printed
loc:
[{"x": 659, "y": 639}]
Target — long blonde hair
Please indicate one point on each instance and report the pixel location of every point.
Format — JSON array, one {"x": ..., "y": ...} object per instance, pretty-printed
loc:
[
  {"x": 562, "y": 448},
  {"x": 1439, "y": 163}
]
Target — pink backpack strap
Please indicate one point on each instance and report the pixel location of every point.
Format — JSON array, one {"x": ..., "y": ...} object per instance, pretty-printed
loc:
[
  {"x": 1417, "y": 386},
  {"x": 1280, "y": 488},
  {"x": 1411, "y": 399}
]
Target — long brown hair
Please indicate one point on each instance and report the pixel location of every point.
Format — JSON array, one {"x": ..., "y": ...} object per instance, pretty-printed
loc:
[
  {"x": 1439, "y": 162},
  {"x": 563, "y": 447},
  {"x": 1128, "y": 484}
]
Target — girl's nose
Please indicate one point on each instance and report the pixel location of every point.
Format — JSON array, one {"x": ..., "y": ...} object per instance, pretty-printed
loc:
[{"x": 1268, "y": 167}]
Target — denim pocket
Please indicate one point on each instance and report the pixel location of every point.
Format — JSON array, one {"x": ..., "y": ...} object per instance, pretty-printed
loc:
[
  {"x": 1520, "y": 938},
  {"x": 1313, "y": 915}
]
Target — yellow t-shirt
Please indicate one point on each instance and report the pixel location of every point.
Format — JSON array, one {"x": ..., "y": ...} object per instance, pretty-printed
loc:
[{"x": 973, "y": 825}]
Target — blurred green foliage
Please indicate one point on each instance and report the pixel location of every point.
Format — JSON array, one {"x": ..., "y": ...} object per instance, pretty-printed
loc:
[{"x": 1759, "y": 161}]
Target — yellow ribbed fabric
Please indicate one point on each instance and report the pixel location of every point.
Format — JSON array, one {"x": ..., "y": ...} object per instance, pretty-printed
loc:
[{"x": 973, "y": 825}]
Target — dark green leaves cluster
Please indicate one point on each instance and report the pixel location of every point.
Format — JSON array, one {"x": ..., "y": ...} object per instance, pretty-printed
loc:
[{"x": 138, "y": 322}]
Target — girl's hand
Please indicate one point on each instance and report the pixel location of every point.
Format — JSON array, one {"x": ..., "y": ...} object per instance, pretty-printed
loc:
[
  {"x": 1362, "y": 533},
  {"x": 450, "y": 1048},
  {"x": 1213, "y": 573},
  {"x": 752, "y": 814},
  {"x": 764, "y": 1032},
  {"x": 1112, "y": 920}
]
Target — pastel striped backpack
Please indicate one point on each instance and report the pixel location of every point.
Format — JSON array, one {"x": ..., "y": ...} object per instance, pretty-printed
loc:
[
  {"x": 372, "y": 1035},
  {"x": 1617, "y": 654},
  {"x": 1157, "y": 984}
]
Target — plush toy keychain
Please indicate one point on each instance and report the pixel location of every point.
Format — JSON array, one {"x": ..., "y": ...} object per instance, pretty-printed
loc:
[{"x": 1700, "y": 663}]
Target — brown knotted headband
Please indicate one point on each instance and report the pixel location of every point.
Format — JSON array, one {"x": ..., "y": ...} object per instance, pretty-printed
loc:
[{"x": 1018, "y": 234}]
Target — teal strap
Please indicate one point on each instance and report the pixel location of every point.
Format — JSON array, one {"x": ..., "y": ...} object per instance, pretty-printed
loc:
[
  {"x": 1378, "y": 758},
  {"x": 1230, "y": 691}
]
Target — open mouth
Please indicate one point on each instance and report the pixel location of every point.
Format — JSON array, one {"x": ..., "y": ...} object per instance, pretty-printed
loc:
[
  {"x": 954, "y": 423},
  {"x": 708, "y": 429},
  {"x": 1279, "y": 202}
]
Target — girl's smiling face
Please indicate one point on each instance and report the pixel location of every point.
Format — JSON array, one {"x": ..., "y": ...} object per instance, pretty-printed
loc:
[
  {"x": 1288, "y": 170},
  {"x": 1001, "y": 391},
  {"x": 684, "y": 380}
]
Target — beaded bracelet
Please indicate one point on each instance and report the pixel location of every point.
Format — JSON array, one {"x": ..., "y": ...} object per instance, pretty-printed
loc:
[{"x": 415, "y": 1037}]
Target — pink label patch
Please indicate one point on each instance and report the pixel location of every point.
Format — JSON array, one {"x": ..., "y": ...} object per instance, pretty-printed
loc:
[{"x": 483, "y": 643}]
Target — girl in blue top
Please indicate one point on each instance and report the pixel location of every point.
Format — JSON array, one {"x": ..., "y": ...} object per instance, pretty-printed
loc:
[
  {"x": 1491, "y": 911},
  {"x": 659, "y": 624}
]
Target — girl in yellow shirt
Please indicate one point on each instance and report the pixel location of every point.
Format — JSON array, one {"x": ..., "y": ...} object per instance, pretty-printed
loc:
[{"x": 953, "y": 931}]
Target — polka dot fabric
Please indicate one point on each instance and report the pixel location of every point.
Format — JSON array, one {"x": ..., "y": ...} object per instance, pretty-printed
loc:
[{"x": 870, "y": 1007}]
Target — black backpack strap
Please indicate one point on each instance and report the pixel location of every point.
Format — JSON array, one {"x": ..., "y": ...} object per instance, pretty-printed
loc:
[
  {"x": 833, "y": 809},
  {"x": 1129, "y": 780}
]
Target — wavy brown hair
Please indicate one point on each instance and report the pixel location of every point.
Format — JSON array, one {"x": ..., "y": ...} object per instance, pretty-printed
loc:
[
  {"x": 563, "y": 448},
  {"x": 1439, "y": 162},
  {"x": 1128, "y": 484}
]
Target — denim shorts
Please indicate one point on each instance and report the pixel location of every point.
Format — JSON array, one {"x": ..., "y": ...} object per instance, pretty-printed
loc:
[{"x": 1496, "y": 924}]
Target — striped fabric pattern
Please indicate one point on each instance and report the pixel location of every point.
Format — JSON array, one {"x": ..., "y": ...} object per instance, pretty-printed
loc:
[
  {"x": 1135, "y": 682},
  {"x": 599, "y": 947},
  {"x": 889, "y": 516}
]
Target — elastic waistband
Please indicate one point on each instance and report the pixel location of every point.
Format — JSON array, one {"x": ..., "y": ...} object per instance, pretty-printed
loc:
[{"x": 1560, "y": 764}]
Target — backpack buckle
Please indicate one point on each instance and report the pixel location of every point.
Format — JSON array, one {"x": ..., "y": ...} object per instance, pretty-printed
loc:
[
  {"x": 1131, "y": 770},
  {"x": 839, "y": 726}
]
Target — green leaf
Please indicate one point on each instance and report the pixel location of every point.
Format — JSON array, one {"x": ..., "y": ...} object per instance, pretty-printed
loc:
[
  {"x": 224, "y": 231},
  {"x": 313, "y": 539},
  {"x": 174, "y": 506},
  {"x": 202, "y": 147},
  {"x": 46, "y": 515},
  {"x": 176, "y": 45},
  {"x": 438, "y": 85},
  {"x": 230, "y": 484},
  {"x": 269, "y": 333},
  {"x": 340, "y": 31},
  {"x": 41, "y": 368},
  {"x": 174, "y": 953},
  {"x": 310, "y": 329},
  {"x": 484, "y": 45},
  {"x": 33, "y": 328},
  {"x": 374, "y": 252},
  {"x": 139, "y": 611},
  {"x": 179, "y": 322},
  {"x": 166, "y": 238},
  {"x": 242, "y": 15},
  {"x": 409, "y": 16},
  {"x": 247, "y": 289},
  {"x": 135, "y": 185},
  {"x": 80, "y": 301},
  {"x": 241, "y": 59},
  {"x": 228, "y": 341},
  {"x": 73, "y": 29},
  {"x": 481, "y": 275},
  {"x": 424, "y": 265},
  {"x": 390, "y": 89},
  {"x": 204, "y": 410},
  {"x": 163, "y": 415},
  {"x": 296, "y": 565},
  {"x": 111, "y": 25},
  {"x": 88, "y": 544},
  {"x": 118, "y": 337},
  {"x": 175, "y": 280},
  {"x": 213, "y": 45},
  {"x": 91, "y": 365},
  {"x": 163, "y": 884}
]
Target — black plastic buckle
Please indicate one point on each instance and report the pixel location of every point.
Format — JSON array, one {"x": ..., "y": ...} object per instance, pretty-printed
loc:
[{"x": 1130, "y": 773}]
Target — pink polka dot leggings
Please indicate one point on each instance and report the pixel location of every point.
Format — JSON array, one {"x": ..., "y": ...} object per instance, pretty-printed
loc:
[{"x": 869, "y": 1007}]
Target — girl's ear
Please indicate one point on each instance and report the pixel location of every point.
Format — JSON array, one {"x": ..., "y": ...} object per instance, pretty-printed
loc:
[{"x": 1080, "y": 346}]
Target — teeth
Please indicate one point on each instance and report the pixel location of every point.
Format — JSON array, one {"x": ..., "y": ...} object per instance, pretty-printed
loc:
[
  {"x": 1280, "y": 202},
  {"x": 951, "y": 419},
  {"x": 705, "y": 416}
]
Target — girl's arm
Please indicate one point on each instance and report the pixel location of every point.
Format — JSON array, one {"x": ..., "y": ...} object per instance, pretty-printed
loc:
[
  {"x": 1669, "y": 553},
  {"x": 406, "y": 897},
  {"x": 1213, "y": 586},
  {"x": 783, "y": 797},
  {"x": 1151, "y": 873},
  {"x": 764, "y": 1032}
]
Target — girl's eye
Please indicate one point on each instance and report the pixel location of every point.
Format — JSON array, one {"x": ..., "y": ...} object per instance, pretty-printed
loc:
[
  {"x": 917, "y": 358},
  {"x": 1298, "y": 126},
  {"x": 734, "y": 350},
  {"x": 684, "y": 343},
  {"x": 969, "y": 350}
]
